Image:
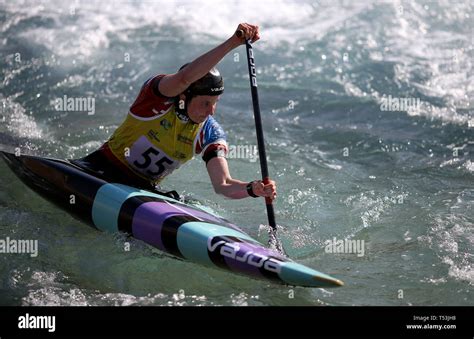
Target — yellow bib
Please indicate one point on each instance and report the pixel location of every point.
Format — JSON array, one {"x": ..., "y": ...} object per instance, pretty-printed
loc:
[{"x": 154, "y": 147}]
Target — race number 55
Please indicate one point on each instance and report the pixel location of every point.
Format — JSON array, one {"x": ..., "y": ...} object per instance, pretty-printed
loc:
[{"x": 158, "y": 167}]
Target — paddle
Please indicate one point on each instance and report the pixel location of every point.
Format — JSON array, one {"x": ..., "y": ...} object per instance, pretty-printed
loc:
[{"x": 273, "y": 240}]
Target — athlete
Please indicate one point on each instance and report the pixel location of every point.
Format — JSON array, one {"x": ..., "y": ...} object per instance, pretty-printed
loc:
[{"x": 170, "y": 122}]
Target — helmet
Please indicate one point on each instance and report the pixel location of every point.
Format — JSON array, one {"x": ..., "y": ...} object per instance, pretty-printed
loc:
[{"x": 210, "y": 84}]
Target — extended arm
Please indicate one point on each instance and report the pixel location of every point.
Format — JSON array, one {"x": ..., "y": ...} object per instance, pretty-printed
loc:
[{"x": 172, "y": 85}]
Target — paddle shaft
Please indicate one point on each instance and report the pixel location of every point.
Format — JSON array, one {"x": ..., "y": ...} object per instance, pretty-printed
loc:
[{"x": 259, "y": 129}]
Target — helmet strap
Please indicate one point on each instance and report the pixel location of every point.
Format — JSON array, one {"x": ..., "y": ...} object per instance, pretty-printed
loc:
[{"x": 183, "y": 112}]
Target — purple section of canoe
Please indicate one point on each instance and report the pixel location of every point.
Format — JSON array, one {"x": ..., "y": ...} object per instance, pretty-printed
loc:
[
  {"x": 216, "y": 220},
  {"x": 148, "y": 221},
  {"x": 149, "y": 218}
]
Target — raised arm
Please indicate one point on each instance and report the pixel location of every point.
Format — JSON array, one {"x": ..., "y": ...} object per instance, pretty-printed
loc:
[{"x": 174, "y": 84}]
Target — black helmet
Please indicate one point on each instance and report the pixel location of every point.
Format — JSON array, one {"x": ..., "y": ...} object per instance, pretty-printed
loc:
[{"x": 210, "y": 84}]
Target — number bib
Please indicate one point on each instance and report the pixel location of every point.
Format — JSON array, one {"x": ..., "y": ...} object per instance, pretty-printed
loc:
[
  {"x": 149, "y": 160},
  {"x": 153, "y": 148}
]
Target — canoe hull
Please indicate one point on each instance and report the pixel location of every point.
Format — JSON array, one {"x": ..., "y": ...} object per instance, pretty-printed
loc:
[{"x": 174, "y": 227}]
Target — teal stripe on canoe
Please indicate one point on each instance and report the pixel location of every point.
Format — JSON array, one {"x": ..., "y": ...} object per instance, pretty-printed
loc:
[
  {"x": 108, "y": 201},
  {"x": 192, "y": 239},
  {"x": 296, "y": 274}
]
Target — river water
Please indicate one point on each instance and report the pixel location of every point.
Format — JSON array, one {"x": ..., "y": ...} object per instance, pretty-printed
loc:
[{"x": 368, "y": 116}]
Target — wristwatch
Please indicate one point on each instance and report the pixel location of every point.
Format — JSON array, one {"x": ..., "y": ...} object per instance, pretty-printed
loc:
[{"x": 250, "y": 190}]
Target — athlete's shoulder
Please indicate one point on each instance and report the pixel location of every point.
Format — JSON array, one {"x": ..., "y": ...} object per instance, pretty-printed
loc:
[
  {"x": 150, "y": 103},
  {"x": 211, "y": 133}
]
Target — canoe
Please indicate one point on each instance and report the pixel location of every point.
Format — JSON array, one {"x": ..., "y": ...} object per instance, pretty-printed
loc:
[{"x": 182, "y": 230}]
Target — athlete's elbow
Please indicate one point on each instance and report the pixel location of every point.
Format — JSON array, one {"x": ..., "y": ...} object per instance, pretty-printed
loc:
[
  {"x": 219, "y": 189},
  {"x": 223, "y": 190}
]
